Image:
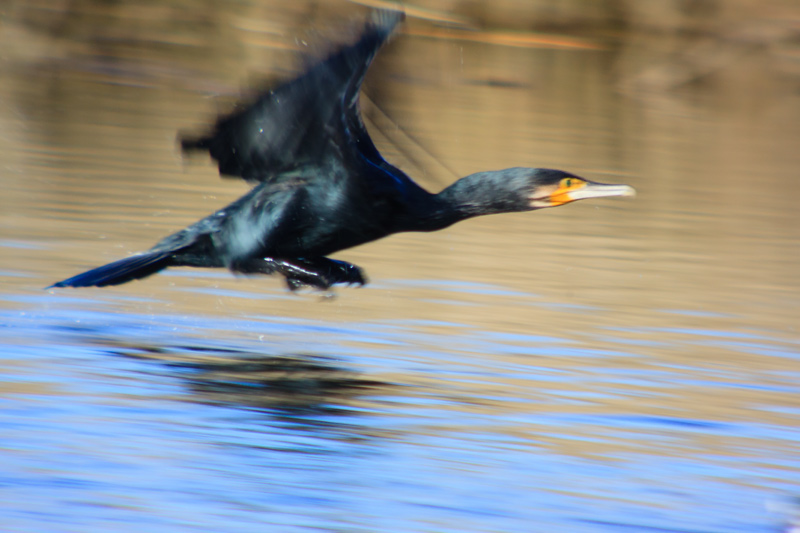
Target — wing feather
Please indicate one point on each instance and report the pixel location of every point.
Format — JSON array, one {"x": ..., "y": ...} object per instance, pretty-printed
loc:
[{"x": 298, "y": 122}]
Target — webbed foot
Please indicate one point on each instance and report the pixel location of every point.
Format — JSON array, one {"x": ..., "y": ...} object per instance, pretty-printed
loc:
[{"x": 317, "y": 272}]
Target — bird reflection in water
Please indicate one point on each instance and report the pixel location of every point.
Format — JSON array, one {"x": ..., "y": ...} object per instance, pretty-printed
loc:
[
  {"x": 321, "y": 185},
  {"x": 295, "y": 384}
]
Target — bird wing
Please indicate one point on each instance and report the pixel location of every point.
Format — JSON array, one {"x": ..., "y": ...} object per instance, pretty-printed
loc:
[{"x": 301, "y": 120}]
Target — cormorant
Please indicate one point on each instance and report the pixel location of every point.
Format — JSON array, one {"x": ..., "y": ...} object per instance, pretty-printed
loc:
[{"x": 322, "y": 186}]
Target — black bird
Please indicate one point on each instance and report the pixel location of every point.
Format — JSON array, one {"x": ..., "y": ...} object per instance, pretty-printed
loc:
[{"x": 322, "y": 186}]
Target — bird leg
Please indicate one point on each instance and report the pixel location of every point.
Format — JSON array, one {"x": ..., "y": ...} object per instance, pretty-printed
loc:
[{"x": 318, "y": 272}]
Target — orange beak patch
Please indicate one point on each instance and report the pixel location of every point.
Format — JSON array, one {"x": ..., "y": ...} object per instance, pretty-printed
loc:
[{"x": 564, "y": 193}]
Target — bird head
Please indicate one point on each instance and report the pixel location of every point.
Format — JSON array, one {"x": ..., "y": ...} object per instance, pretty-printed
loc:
[{"x": 516, "y": 189}]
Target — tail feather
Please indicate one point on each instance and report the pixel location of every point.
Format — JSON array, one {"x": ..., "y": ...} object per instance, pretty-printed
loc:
[{"x": 133, "y": 267}]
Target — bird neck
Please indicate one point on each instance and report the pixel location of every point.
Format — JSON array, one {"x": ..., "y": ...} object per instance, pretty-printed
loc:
[{"x": 483, "y": 193}]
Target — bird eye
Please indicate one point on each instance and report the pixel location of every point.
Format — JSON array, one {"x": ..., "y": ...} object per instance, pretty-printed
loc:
[{"x": 568, "y": 183}]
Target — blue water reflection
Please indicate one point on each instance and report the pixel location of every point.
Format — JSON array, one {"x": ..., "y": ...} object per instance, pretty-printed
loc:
[{"x": 177, "y": 433}]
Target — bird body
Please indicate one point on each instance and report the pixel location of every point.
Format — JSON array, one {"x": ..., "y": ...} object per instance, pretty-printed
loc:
[{"x": 322, "y": 186}]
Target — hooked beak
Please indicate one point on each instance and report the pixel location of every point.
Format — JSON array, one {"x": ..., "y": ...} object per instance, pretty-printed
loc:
[{"x": 589, "y": 189}]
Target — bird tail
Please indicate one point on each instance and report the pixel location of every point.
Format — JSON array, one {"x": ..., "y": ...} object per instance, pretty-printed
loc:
[{"x": 134, "y": 267}]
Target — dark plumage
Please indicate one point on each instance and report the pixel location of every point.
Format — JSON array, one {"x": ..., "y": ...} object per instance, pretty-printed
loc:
[{"x": 322, "y": 186}]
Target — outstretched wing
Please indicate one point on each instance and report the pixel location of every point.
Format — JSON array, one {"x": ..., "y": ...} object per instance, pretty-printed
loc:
[{"x": 295, "y": 123}]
